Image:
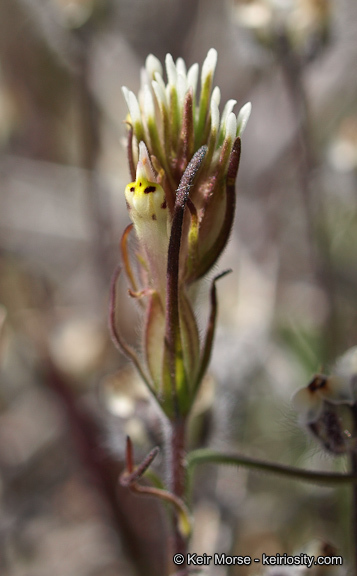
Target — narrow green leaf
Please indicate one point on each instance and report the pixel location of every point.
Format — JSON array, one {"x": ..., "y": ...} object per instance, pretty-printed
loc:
[{"x": 207, "y": 347}]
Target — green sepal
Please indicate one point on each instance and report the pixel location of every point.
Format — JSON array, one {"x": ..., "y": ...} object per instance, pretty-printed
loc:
[{"x": 211, "y": 327}]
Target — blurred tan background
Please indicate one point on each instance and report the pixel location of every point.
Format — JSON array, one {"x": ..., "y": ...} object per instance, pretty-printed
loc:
[{"x": 67, "y": 398}]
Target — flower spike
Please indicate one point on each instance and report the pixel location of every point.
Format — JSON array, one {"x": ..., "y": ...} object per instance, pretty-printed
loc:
[{"x": 183, "y": 152}]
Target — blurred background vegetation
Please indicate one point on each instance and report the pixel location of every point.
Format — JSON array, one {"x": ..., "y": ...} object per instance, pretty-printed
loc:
[{"x": 67, "y": 399}]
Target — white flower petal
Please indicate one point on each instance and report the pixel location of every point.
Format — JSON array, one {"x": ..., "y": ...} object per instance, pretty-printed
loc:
[
  {"x": 159, "y": 90},
  {"x": 181, "y": 67},
  {"x": 160, "y": 81},
  {"x": 231, "y": 127},
  {"x": 192, "y": 77},
  {"x": 133, "y": 105},
  {"x": 209, "y": 65},
  {"x": 308, "y": 404},
  {"x": 181, "y": 89},
  {"x": 149, "y": 108},
  {"x": 214, "y": 116},
  {"x": 153, "y": 66},
  {"x": 243, "y": 118},
  {"x": 216, "y": 95},
  {"x": 171, "y": 70},
  {"x": 226, "y": 111},
  {"x": 167, "y": 92}
]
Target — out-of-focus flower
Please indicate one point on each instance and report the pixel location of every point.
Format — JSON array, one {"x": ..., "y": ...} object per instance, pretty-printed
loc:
[
  {"x": 309, "y": 401},
  {"x": 306, "y": 22},
  {"x": 74, "y": 13},
  {"x": 316, "y": 403},
  {"x": 338, "y": 388},
  {"x": 183, "y": 158}
]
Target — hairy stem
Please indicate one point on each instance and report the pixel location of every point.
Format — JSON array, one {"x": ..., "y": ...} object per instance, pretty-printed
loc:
[{"x": 177, "y": 479}]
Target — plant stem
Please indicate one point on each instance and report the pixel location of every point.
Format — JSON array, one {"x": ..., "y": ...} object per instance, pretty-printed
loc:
[
  {"x": 87, "y": 443},
  {"x": 208, "y": 456},
  {"x": 177, "y": 480}
]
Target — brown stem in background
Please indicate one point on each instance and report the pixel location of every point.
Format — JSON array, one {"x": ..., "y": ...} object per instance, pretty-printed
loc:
[{"x": 104, "y": 471}]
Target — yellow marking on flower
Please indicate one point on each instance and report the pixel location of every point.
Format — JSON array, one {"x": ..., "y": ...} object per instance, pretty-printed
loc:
[
  {"x": 147, "y": 209},
  {"x": 146, "y": 201}
]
